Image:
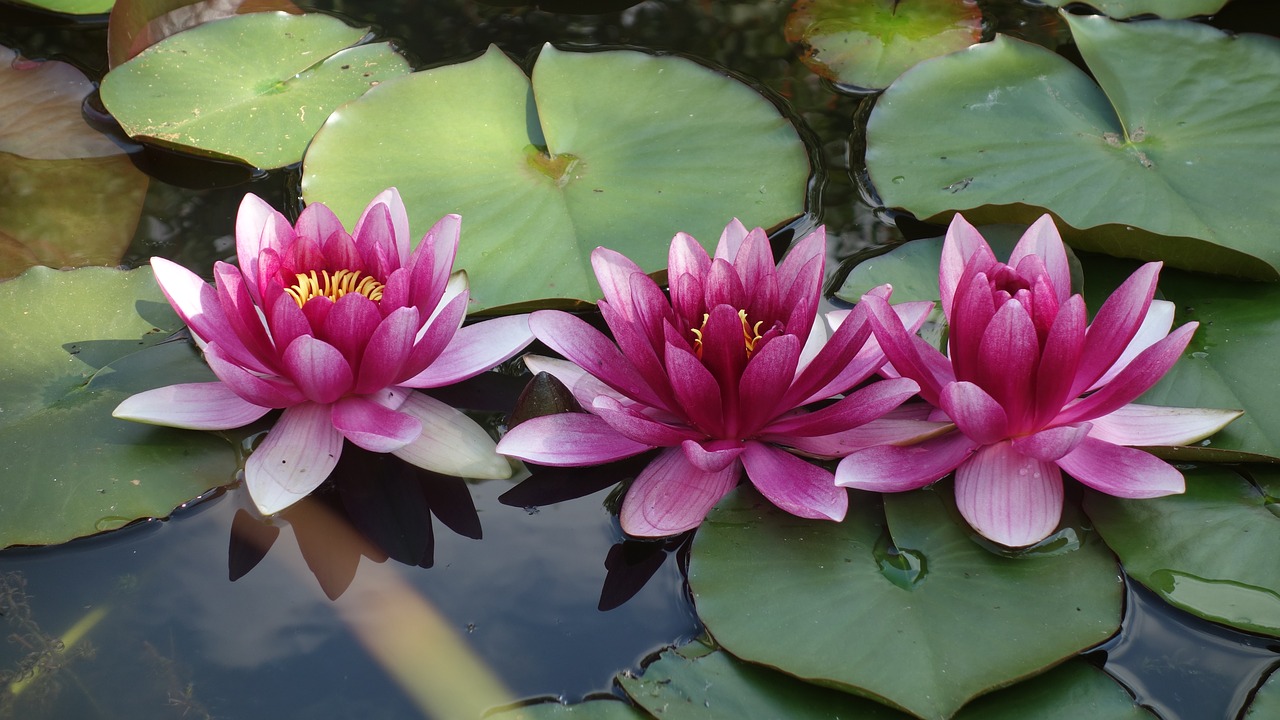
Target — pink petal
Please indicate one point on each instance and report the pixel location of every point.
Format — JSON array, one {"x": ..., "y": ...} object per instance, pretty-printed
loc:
[
  {"x": 1055, "y": 377},
  {"x": 432, "y": 261},
  {"x": 242, "y": 315},
  {"x": 731, "y": 240},
  {"x": 1115, "y": 325},
  {"x": 288, "y": 322},
  {"x": 912, "y": 359},
  {"x": 753, "y": 259},
  {"x": 372, "y": 426},
  {"x": 881, "y": 431},
  {"x": 670, "y": 495},
  {"x": 568, "y": 440},
  {"x": 613, "y": 270},
  {"x": 297, "y": 455},
  {"x": 889, "y": 468},
  {"x": 317, "y": 369},
  {"x": 584, "y": 386},
  {"x": 858, "y": 408},
  {"x": 475, "y": 349},
  {"x": 713, "y": 455},
  {"x": 1155, "y": 326},
  {"x": 637, "y": 427},
  {"x": 697, "y": 394},
  {"x": 764, "y": 382},
  {"x": 590, "y": 350},
  {"x": 1010, "y": 353},
  {"x": 390, "y": 210},
  {"x": 975, "y": 412},
  {"x": 1043, "y": 241},
  {"x": 450, "y": 443},
  {"x": 258, "y": 226},
  {"x": 972, "y": 308},
  {"x": 434, "y": 337},
  {"x": 963, "y": 241},
  {"x": 319, "y": 226},
  {"x": 801, "y": 268},
  {"x": 349, "y": 325},
  {"x": 1121, "y": 471},
  {"x": 196, "y": 302},
  {"x": 1136, "y": 378},
  {"x": 801, "y": 488},
  {"x": 1050, "y": 445},
  {"x": 194, "y": 406},
  {"x": 1150, "y": 425},
  {"x": 266, "y": 391},
  {"x": 387, "y": 351},
  {"x": 830, "y": 368},
  {"x": 1008, "y": 497}
]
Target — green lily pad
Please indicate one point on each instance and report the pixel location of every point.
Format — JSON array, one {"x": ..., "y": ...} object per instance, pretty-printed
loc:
[
  {"x": 254, "y": 88},
  {"x": 72, "y": 346},
  {"x": 866, "y": 44},
  {"x": 1266, "y": 702},
  {"x": 1158, "y": 160},
  {"x": 1210, "y": 551},
  {"x": 902, "y": 605},
  {"x": 617, "y": 148},
  {"x": 1168, "y": 9},
  {"x": 586, "y": 710},
  {"x": 138, "y": 24},
  {"x": 71, "y": 7}
]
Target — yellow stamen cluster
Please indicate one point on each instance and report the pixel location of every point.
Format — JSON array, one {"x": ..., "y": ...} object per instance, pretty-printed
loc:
[
  {"x": 750, "y": 333},
  {"x": 322, "y": 283}
]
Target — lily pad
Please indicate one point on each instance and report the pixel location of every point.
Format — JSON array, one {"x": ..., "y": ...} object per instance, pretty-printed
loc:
[
  {"x": 253, "y": 88},
  {"x": 1266, "y": 702},
  {"x": 73, "y": 345},
  {"x": 68, "y": 195},
  {"x": 1211, "y": 550},
  {"x": 866, "y": 44},
  {"x": 138, "y": 24},
  {"x": 897, "y": 602},
  {"x": 71, "y": 7},
  {"x": 1157, "y": 160},
  {"x": 586, "y": 710},
  {"x": 615, "y": 148},
  {"x": 1168, "y": 9}
]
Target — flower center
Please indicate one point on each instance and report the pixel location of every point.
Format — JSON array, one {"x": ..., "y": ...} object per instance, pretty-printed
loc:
[
  {"x": 750, "y": 333},
  {"x": 333, "y": 285}
]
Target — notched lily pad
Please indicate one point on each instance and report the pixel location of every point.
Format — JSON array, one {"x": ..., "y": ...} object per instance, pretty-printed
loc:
[
  {"x": 253, "y": 88},
  {"x": 1210, "y": 551},
  {"x": 864, "y": 44},
  {"x": 897, "y": 604},
  {"x": 73, "y": 345},
  {"x": 617, "y": 148},
  {"x": 1157, "y": 160}
]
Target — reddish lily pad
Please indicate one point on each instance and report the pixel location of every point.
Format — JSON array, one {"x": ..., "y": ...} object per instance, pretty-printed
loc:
[
  {"x": 866, "y": 44},
  {"x": 253, "y": 88},
  {"x": 616, "y": 148},
  {"x": 72, "y": 346},
  {"x": 899, "y": 604}
]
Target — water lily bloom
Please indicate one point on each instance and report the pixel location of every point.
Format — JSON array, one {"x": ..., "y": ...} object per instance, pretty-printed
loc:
[
  {"x": 1033, "y": 388},
  {"x": 337, "y": 329},
  {"x": 716, "y": 377}
]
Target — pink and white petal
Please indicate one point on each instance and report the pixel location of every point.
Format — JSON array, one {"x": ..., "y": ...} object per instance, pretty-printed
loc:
[
  {"x": 288, "y": 322},
  {"x": 712, "y": 455},
  {"x": 432, "y": 261},
  {"x": 671, "y": 496},
  {"x": 1050, "y": 445},
  {"x": 243, "y": 315},
  {"x": 881, "y": 431},
  {"x": 590, "y": 350},
  {"x": 263, "y": 390},
  {"x": 834, "y": 361},
  {"x": 297, "y": 455},
  {"x": 194, "y": 406},
  {"x": 962, "y": 242},
  {"x": 584, "y": 386},
  {"x": 396, "y": 219},
  {"x": 857, "y": 408},
  {"x": 450, "y": 443},
  {"x": 1042, "y": 240},
  {"x": 976, "y": 413},
  {"x": 890, "y": 468},
  {"x": 318, "y": 225},
  {"x": 318, "y": 369},
  {"x": 1147, "y": 425},
  {"x": 475, "y": 349},
  {"x": 1008, "y": 497},
  {"x": 1121, "y": 471},
  {"x": 1136, "y": 378},
  {"x": 1115, "y": 325},
  {"x": 731, "y": 239},
  {"x": 613, "y": 271},
  {"x": 387, "y": 351},
  {"x": 1155, "y": 326},
  {"x": 434, "y": 337},
  {"x": 195, "y": 301},
  {"x": 799, "y": 487},
  {"x": 258, "y": 226},
  {"x": 568, "y": 440},
  {"x": 637, "y": 427},
  {"x": 753, "y": 259},
  {"x": 372, "y": 426}
]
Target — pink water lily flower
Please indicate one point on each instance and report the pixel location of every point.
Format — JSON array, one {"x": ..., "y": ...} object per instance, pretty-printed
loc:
[
  {"x": 715, "y": 376},
  {"x": 1034, "y": 388},
  {"x": 337, "y": 329}
]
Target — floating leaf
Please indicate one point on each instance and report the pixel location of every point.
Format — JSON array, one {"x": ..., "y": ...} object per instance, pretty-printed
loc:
[
  {"x": 71, "y": 7},
  {"x": 251, "y": 87},
  {"x": 901, "y": 605},
  {"x": 618, "y": 148},
  {"x": 1266, "y": 702},
  {"x": 68, "y": 195},
  {"x": 865, "y": 44},
  {"x": 1163, "y": 160},
  {"x": 138, "y": 24},
  {"x": 72, "y": 346},
  {"x": 587, "y": 710},
  {"x": 1168, "y": 9},
  {"x": 1210, "y": 551}
]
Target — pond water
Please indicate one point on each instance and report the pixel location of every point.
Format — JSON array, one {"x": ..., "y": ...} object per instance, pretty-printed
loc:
[{"x": 216, "y": 614}]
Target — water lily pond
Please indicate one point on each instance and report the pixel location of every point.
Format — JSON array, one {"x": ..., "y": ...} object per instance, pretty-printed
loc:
[{"x": 966, "y": 415}]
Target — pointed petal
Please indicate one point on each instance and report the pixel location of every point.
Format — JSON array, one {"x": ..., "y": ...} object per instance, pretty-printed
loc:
[
  {"x": 317, "y": 369},
  {"x": 349, "y": 325},
  {"x": 1115, "y": 325},
  {"x": 889, "y": 468},
  {"x": 584, "y": 386},
  {"x": 317, "y": 225},
  {"x": 1055, "y": 376},
  {"x": 731, "y": 240},
  {"x": 258, "y": 226},
  {"x": 1155, "y": 326},
  {"x": 1043, "y": 241},
  {"x": 671, "y": 495},
  {"x": 1136, "y": 378},
  {"x": 194, "y": 406},
  {"x": 881, "y": 431},
  {"x": 858, "y": 408},
  {"x": 1121, "y": 471},
  {"x": 451, "y": 443},
  {"x": 242, "y": 315},
  {"x": 801, "y": 488},
  {"x": 387, "y": 209},
  {"x": 568, "y": 440},
  {"x": 266, "y": 391},
  {"x": 697, "y": 394},
  {"x": 1050, "y": 445},
  {"x": 1010, "y": 353},
  {"x": 297, "y": 455},
  {"x": 764, "y": 382},
  {"x": 1151, "y": 425},
  {"x": 963, "y": 241},
  {"x": 912, "y": 359},
  {"x": 590, "y": 350},
  {"x": 613, "y": 271},
  {"x": 975, "y": 412},
  {"x": 196, "y": 302},
  {"x": 637, "y": 427},
  {"x": 374, "y": 427},
  {"x": 475, "y": 349},
  {"x": 387, "y": 351},
  {"x": 1008, "y": 497},
  {"x": 712, "y": 455}
]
